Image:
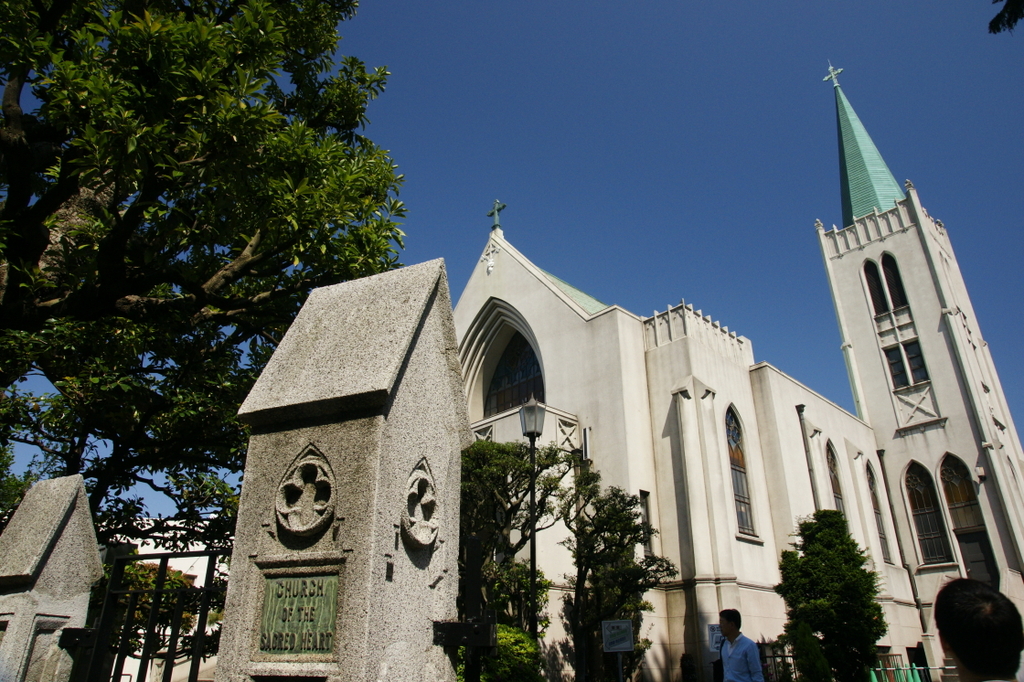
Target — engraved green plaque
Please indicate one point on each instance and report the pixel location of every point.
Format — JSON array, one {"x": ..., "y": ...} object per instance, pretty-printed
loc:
[{"x": 299, "y": 614}]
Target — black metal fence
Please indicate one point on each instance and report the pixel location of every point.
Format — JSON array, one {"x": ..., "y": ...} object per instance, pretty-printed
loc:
[
  {"x": 777, "y": 665},
  {"x": 154, "y": 619}
]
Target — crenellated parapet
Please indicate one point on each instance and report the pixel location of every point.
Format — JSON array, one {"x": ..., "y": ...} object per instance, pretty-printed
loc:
[
  {"x": 682, "y": 321},
  {"x": 873, "y": 227},
  {"x": 880, "y": 225}
]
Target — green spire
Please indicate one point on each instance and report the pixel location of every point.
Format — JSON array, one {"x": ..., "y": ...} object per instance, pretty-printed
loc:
[{"x": 866, "y": 182}]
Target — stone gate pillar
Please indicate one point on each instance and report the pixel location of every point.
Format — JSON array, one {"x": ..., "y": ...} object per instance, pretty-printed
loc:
[{"x": 348, "y": 526}]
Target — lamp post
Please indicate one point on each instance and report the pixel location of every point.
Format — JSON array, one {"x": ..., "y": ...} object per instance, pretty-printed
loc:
[{"x": 531, "y": 416}]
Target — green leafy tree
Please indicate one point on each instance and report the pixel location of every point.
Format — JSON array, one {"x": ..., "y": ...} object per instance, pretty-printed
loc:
[
  {"x": 606, "y": 528},
  {"x": 808, "y": 657},
  {"x": 517, "y": 658},
  {"x": 496, "y": 508},
  {"x": 1007, "y": 17},
  {"x": 12, "y": 487},
  {"x": 175, "y": 177},
  {"x": 508, "y": 592},
  {"x": 827, "y": 588}
]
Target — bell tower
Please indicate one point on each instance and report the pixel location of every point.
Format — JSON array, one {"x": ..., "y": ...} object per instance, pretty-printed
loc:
[{"x": 922, "y": 376}]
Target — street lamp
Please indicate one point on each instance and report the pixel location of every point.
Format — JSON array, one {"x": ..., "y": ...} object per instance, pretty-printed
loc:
[{"x": 531, "y": 416}]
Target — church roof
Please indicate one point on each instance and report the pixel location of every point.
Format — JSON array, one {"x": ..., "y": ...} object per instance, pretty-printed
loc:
[
  {"x": 866, "y": 181},
  {"x": 585, "y": 301}
]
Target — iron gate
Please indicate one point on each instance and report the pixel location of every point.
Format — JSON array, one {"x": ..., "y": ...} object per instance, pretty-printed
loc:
[{"x": 155, "y": 617}]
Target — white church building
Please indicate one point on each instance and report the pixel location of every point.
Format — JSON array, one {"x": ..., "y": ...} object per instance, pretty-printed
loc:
[{"x": 727, "y": 454}]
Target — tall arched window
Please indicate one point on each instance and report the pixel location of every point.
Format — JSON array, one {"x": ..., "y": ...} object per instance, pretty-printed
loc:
[
  {"x": 904, "y": 357},
  {"x": 931, "y": 531},
  {"x": 960, "y": 496},
  {"x": 833, "y": 475},
  {"x": 874, "y": 281},
  {"x": 879, "y": 519},
  {"x": 968, "y": 522},
  {"x": 897, "y": 296},
  {"x": 738, "y": 464},
  {"x": 516, "y": 377}
]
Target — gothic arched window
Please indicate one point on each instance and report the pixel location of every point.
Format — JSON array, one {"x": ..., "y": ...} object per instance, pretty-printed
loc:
[
  {"x": 960, "y": 495},
  {"x": 738, "y": 464},
  {"x": 516, "y": 377},
  {"x": 833, "y": 475},
  {"x": 968, "y": 521},
  {"x": 897, "y": 296},
  {"x": 904, "y": 359},
  {"x": 874, "y": 281},
  {"x": 931, "y": 531},
  {"x": 879, "y": 519}
]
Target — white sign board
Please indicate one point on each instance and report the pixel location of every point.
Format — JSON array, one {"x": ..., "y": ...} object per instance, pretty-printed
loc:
[
  {"x": 714, "y": 637},
  {"x": 617, "y": 634}
]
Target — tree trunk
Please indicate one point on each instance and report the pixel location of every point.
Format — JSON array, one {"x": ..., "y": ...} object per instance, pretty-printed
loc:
[
  {"x": 579, "y": 632},
  {"x": 579, "y": 645}
]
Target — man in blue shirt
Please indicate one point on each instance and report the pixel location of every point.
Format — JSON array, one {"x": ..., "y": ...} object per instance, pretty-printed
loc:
[{"x": 741, "y": 660}]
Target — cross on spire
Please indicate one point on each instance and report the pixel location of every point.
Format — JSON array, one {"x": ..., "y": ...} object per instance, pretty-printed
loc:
[
  {"x": 498, "y": 208},
  {"x": 833, "y": 74}
]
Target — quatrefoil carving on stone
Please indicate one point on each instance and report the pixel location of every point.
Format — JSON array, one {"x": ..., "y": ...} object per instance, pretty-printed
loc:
[
  {"x": 305, "y": 498},
  {"x": 419, "y": 529}
]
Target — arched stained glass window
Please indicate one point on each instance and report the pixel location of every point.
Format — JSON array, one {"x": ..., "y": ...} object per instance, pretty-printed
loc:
[
  {"x": 931, "y": 531},
  {"x": 738, "y": 464},
  {"x": 879, "y": 519},
  {"x": 960, "y": 495},
  {"x": 897, "y": 296},
  {"x": 516, "y": 377},
  {"x": 874, "y": 281},
  {"x": 833, "y": 475},
  {"x": 968, "y": 521}
]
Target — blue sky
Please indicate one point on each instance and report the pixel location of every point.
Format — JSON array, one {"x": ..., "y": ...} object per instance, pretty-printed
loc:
[{"x": 663, "y": 150}]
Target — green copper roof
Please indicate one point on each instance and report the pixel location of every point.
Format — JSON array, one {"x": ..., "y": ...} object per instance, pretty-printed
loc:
[
  {"x": 866, "y": 181},
  {"x": 585, "y": 301}
]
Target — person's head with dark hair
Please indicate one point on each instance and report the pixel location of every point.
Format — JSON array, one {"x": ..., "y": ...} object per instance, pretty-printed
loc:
[
  {"x": 980, "y": 628},
  {"x": 729, "y": 623},
  {"x": 733, "y": 616}
]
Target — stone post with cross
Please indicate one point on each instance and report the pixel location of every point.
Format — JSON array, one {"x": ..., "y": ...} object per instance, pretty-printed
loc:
[{"x": 348, "y": 526}]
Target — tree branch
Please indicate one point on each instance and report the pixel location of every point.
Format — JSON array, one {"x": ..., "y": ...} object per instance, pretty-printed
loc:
[
  {"x": 166, "y": 490},
  {"x": 14, "y": 148},
  {"x": 39, "y": 444},
  {"x": 236, "y": 268},
  {"x": 111, "y": 258}
]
